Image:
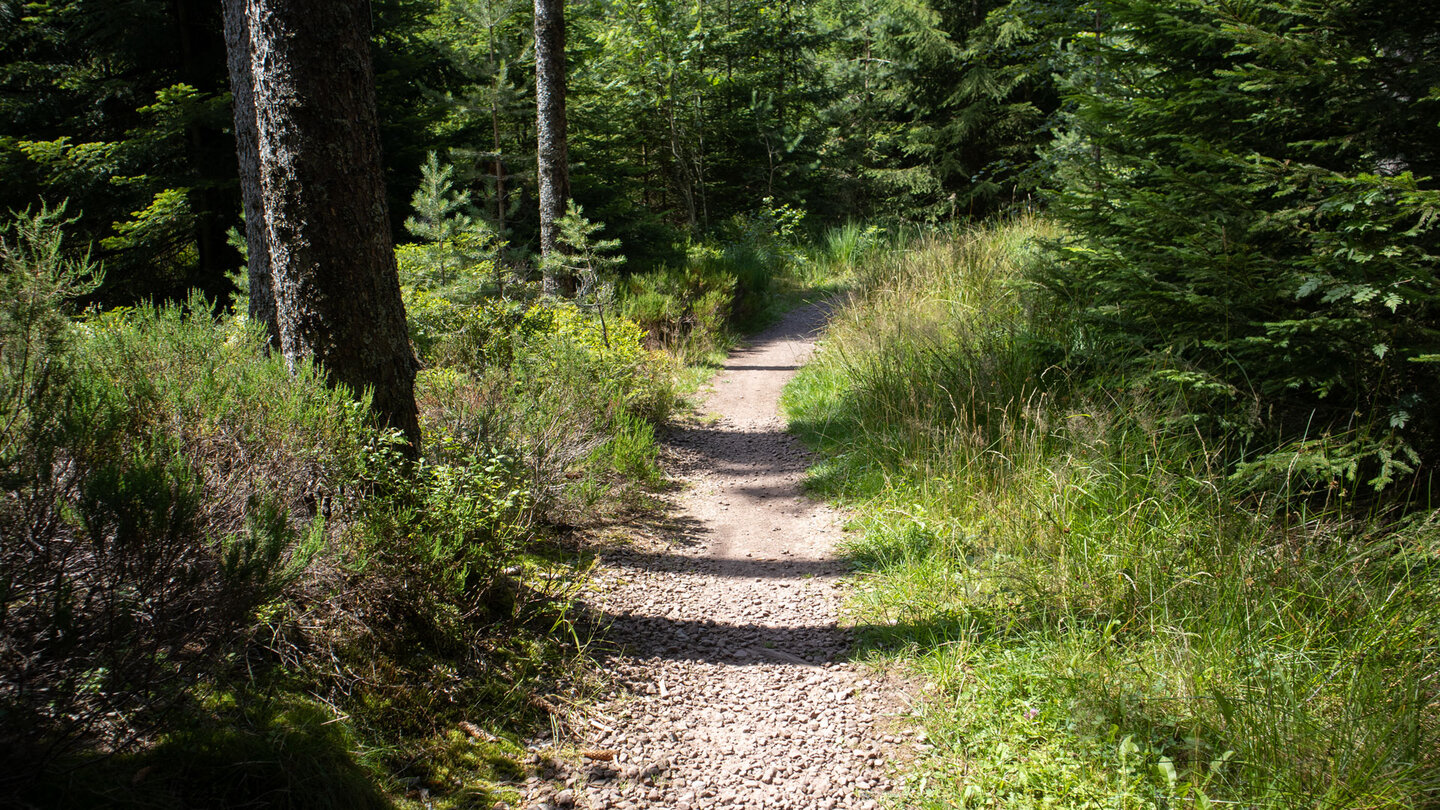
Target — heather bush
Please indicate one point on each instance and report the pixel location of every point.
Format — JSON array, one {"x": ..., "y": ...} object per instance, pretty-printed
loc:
[{"x": 147, "y": 517}]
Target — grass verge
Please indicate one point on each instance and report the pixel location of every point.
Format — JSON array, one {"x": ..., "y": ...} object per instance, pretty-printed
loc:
[{"x": 1103, "y": 619}]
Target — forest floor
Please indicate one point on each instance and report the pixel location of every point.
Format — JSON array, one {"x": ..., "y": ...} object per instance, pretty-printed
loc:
[{"x": 732, "y": 678}]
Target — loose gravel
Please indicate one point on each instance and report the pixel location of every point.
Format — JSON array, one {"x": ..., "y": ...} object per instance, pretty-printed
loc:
[{"x": 731, "y": 687}]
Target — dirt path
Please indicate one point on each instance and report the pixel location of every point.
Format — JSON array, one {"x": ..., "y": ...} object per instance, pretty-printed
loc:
[{"x": 734, "y": 685}]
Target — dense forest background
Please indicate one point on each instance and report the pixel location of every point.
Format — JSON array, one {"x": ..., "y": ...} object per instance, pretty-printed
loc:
[
  {"x": 1246, "y": 184},
  {"x": 682, "y": 115},
  {"x": 1202, "y": 277}
]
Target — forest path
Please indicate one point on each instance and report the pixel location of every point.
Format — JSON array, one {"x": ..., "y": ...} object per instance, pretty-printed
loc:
[{"x": 732, "y": 684}]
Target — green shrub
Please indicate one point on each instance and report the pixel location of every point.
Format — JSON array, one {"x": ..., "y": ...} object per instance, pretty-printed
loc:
[
  {"x": 687, "y": 311},
  {"x": 454, "y": 520},
  {"x": 751, "y": 270},
  {"x": 146, "y": 515},
  {"x": 194, "y": 534},
  {"x": 547, "y": 386},
  {"x": 618, "y": 368}
]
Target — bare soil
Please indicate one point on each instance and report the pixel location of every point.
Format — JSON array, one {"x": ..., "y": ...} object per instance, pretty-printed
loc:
[{"x": 732, "y": 684}]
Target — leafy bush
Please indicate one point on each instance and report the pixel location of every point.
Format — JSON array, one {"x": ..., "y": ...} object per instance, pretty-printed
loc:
[
  {"x": 754, "y": 268},
  {"x": 457, "y": 517},
  {"x": 685, "y": 311},
  {"x": 546, "y": 385},
  {"x": 205, "y": 553},
  {"x": 591, "y": 261},
  {"x": 611, "y": 360}
]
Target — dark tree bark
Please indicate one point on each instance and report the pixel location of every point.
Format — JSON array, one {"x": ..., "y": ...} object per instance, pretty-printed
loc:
[
  {"x": 552, "y": 148},
  {"x": 337, "y": 294},
  {"x": 247, "y": 149}
]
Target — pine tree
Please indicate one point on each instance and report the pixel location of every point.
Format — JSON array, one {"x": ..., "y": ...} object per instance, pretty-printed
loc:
[
  {"x": 258, "y": 287},
  {"x": 552, "y": 148},
  {"x": 337, "y": 294},
  {"x": 591, "y": 261}
]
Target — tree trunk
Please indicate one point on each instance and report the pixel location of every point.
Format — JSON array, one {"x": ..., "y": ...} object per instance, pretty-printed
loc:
[
  {"x": 247, "y": 149},
  {"x": 700, "y": 119},
  {"x": 552, "y": 150},
  {"x": 337, "y": 294}
]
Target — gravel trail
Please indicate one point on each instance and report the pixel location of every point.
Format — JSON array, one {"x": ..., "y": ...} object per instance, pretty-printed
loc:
[{"x": 732, "y": 688}]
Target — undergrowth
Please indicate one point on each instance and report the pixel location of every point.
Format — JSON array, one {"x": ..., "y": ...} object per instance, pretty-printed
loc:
[
  {"x": 223, "y": 585},
  {"x": 741, "y": 279},
  {"x": 1103, "y": 616}
]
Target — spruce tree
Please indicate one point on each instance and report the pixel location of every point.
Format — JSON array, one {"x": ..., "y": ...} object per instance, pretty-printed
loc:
[
  {"x": 1252, "y": 201},
  {"x": 458, "y": 247}
]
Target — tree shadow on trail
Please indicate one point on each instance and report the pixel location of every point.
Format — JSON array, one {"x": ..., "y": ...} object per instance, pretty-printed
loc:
[
  {"x": 737, "y": 367},
  {"x": 754, "y": 468},
  {"x": 733, "y": 453},
  {"x": 798, "y": 324},
  {"x": 706, "y": 641},
  {"x": 732, "y": 567}
]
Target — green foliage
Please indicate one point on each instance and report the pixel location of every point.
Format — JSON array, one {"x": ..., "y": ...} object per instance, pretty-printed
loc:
[
  {"x": 483, "y": 44},
  {"x": 458, "y": 253},
  {"x": 1288, "y": 265},
  {"x": 545, "y": 385},
  {"x": 592, "y": 262},
  {"x": 39, "y": 281},
  {"x": 447, "y": 277},
  {"x": 938, "y": 108},
  {"x": 122, "y": 110},
  {"x": 686, "y": 311},
  {"x": 608, "y": 366},
  {"x": 701, "y": 110},
  {"x": 566, "y": 393},
  {"x": 1102, "y": 618},
  {"x": 145, "y": 517},
  {"x": 682, "y": 116},
  {"x": 1005, "y": 103},
  {"x": 252, "y": 749},
  {"x": 758, "y": 250},
  {"x": 752, "y": 269},
  {"x": 162, "y": 547},
  {"x": 454, "y": 521}
]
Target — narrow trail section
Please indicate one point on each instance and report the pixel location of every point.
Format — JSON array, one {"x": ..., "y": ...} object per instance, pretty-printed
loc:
[{"x": 732, "y": 684}]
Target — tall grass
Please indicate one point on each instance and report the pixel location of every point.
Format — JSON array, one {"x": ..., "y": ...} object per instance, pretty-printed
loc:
[{"x": 1102, "y": 618}]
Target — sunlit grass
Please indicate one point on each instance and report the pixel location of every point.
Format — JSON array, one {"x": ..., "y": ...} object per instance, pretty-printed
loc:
[{"x": 1106, "y": 622}]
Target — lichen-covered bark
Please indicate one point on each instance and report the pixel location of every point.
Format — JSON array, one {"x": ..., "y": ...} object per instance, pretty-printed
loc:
[
  {"x": 247, "y": 149},
  {"x": 337, "y": 295},
  {"x": 552, "y": 150}
]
